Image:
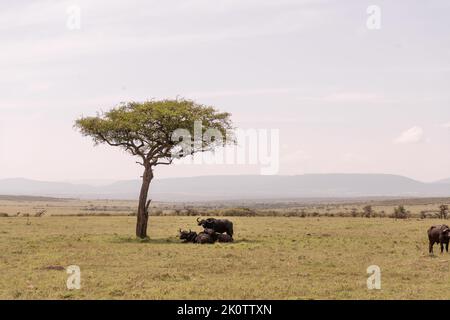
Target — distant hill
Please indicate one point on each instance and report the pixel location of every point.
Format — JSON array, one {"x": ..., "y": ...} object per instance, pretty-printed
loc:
[
  {"x": 31, "y": 198},
  {"x": 444, "y": 181},
  {"x": 238, "y": 187}
]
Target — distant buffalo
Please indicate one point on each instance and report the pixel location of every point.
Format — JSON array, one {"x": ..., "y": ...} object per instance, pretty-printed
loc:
[
  {"x": 439, "y": 234},
  {"x": 218, "y": 225}
]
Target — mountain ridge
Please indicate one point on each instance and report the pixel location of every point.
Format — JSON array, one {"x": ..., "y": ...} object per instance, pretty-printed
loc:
[
  {"x": 443, "y": 181},
  {"x": 236, "y": 187}
]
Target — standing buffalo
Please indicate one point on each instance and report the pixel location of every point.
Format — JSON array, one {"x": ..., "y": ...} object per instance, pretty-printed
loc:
[
  {"x": 439, "y": 234},
  {"x": 218, "y": 225}
]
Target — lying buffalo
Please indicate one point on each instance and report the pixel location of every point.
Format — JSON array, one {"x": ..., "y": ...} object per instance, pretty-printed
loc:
[
  {"x": 439, "y": 234},
  {"x": 218, "y": 225},
  {"x": 204, "y": 237},
  {"x": 188, "y": 236},
  {"x": 192, "y": 236},
  {"x": 221, "y": 237}
]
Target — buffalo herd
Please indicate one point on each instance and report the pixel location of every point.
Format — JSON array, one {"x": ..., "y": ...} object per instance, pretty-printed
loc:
[{"x": 220, "y": 230}]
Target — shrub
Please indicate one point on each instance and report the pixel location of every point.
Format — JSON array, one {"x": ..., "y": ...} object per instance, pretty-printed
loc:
[
  {"x": 191, "y": 212},
  {"x": 368, "y": 211},
  {"x": 241, "y": 212},
  {"x": 400, "y": 213}
]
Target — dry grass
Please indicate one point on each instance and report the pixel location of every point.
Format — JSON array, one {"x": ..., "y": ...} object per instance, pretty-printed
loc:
[{"x": 272, "y": 258}]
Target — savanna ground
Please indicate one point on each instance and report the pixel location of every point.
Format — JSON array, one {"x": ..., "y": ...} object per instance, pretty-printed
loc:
[{"x": 272, "y": 258}]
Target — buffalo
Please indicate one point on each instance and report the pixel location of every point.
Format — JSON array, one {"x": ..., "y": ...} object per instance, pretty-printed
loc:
[
  {"x": 218, "y": 225},
  {"x": 223, "y": 237},
  {"x": 192, "y": 236},
  {"x": 204, "y": 237},
  {"x": 439, "y": 234},
  {"x": 211, "y": 233},
  {"x": 187, "y": 236}
]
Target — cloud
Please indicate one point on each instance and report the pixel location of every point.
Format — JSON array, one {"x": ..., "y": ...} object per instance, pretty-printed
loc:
[
  {"x": 446, "y": 125},
  {"x": 413, "y": 135}
]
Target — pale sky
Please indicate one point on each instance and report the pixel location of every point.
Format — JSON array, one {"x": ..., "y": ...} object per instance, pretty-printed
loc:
[{"x": 346, "y": 99}]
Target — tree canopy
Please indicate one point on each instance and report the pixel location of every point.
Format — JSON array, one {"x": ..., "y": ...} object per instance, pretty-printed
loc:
[{"x": 146, "y": 129}]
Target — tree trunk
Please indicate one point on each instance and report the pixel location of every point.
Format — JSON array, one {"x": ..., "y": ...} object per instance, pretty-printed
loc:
[{"x": 143, "y": 208}]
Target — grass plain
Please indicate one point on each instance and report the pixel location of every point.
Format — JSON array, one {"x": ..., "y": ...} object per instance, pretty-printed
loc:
[{"x": 272, "y": 258}]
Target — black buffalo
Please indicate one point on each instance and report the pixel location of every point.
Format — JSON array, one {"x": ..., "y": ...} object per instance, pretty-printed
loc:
[
  {"x": 192, "y": 236},
  {"x": 187, "y": 236},
  {"x": 204, "y": 237},
  {"x": 223, "y": 237},
  {"x": 218, "y": 225},
  {"x": 211, "y": 233},
  {"x": 439, "y": 234}
]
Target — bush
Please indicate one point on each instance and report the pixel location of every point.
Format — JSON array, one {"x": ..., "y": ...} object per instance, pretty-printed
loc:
[
  {"x": 191, "y": 212},
  {"x": 400, "y": 213},
  {"x": 239, "y": 212},
  {"x": 368, "y": 212}
]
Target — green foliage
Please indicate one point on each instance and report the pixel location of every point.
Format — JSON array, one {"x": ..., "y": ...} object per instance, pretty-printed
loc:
[
  {"x": 145, "y": 129},
  {"x": 400, "y": 213}
]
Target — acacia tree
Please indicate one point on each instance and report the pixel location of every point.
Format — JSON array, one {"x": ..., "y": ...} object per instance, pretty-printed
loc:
[{"x": 157, "y": 132}]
